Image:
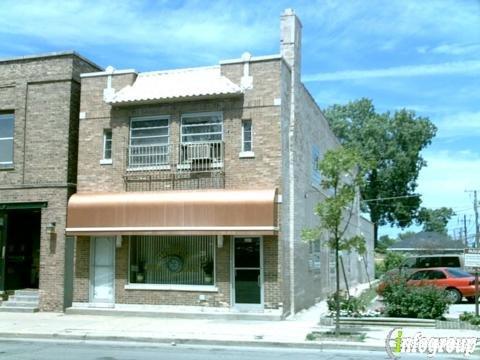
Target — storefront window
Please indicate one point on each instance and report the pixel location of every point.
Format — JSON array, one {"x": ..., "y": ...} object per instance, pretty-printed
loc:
[{"x": 172, "y": 260}]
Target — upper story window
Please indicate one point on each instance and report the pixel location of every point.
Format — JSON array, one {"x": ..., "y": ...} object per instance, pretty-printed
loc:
[
  {"x": 247, "y": 139},
  {"x": 316, "y": 175},
  {"x": 7, "y": 127},
  {"x": 149, "y": 141},
  {"x": 247, "y": 135},
  {"x": 202, "y": 127},
  {"x": 107, "y": 147},
  {"x": 314, "y": 253}
]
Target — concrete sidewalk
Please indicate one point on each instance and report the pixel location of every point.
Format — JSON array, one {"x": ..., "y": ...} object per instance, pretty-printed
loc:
[
  {"x": 288, "y": 333},
  {"x": 291, "y": 332}
]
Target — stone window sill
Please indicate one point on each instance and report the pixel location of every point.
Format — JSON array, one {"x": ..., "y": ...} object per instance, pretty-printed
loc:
[
  {"x": 106, "y": 162},
  {"x": 7, "y": 167},
  {"x": 160, "y": 287},
  {"x": 246, "y": 154}
]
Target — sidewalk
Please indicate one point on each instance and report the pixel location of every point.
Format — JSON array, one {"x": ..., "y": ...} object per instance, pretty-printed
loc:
[{"x": 289, "y": 333}]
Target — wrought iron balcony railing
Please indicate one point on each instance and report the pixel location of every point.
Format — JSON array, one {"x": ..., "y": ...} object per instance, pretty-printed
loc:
[{"x": 193, "y": 157}]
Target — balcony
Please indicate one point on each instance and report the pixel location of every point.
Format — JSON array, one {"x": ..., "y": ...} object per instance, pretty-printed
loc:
[{"x": 175, "y": 166}]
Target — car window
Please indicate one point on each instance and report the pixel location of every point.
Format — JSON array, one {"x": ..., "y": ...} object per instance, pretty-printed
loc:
[
  {"x": 419, "y": 275},
  {"x": 427, "y": 262},
  {"x": 457, "y": 273},
  {"x": 436, "y": 275},
  {"x": 409, "y": 263},
  {"x": 450, "y": 261}
]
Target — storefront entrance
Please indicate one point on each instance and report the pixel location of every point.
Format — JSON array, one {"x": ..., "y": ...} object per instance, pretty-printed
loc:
[
  {"x": 247, "y": 273},
  {"x": 102, "y": 270},
  {"x": 19, "y": 249}
]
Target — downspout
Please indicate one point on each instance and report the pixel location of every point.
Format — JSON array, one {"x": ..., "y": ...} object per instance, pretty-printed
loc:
[
  {"x": 290, "y": 49},
  {"x": 291, "y": 188}
]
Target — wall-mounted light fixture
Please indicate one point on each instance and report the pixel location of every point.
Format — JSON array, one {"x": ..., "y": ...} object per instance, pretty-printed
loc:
[
  {"x": 118, "y": 241},
  {"x": 220, "y": 241},
  {"x": 51, "y": 227}
]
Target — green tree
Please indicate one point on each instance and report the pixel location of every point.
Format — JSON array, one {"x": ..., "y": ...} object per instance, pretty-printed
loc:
[
  {"x": 342, "y": 173},
  {"x": 383, "y": 243},
  {"x": 391, "y": 144},
  {"x": 406, "y": 235},
  {"x": 435, "y": 219}
]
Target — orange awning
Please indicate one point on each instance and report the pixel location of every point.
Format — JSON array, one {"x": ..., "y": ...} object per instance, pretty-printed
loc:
[{"x": 227, "y": 212}]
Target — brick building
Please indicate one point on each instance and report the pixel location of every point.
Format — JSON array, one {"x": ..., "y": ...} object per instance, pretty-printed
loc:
[
  {"x": 194, "y": 186},
  {"x": 39, "y": 104}
]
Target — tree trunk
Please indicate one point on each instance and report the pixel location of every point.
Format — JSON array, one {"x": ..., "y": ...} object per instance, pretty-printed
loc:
[
  {"x": 375, "y": 235},
  {"x": 337, "y": 292}
]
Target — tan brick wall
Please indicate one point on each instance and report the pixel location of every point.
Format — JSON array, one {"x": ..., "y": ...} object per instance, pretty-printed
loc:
[
  {"x": 263, "y": 171},
  {"x": 81, "y": 273},
  {"x": 44, "y": 95}
]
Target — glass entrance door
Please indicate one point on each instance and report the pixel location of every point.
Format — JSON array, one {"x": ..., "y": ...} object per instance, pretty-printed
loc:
[
  {"x": 103, "y": 270},
  {"x": 247, "y": 271}
]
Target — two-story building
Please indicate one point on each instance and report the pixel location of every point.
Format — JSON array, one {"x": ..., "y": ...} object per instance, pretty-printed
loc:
[
  {"x": 39, "y": 105},
  {"x": 194, "y": 186}
]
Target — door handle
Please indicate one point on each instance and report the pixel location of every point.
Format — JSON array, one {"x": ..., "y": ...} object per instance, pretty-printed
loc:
[
  {"x": 3, "y": 252},
  {"x": 258, "y": 281}
]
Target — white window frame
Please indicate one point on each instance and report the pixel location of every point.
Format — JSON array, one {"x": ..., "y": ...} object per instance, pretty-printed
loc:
[
  {"x": 200, "y": 114},
  {"x": 314, "y": 253},
  {"x": 143, "y": 118},
  {"x": 249, "y": 153},
  {"x": 173, "y": 287},
  {"x": 9, "y": 164},
  {"x": 107, "y": 160}
]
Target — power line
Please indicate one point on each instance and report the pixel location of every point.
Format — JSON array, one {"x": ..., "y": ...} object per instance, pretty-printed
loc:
[{"x": 391, "y": 198}]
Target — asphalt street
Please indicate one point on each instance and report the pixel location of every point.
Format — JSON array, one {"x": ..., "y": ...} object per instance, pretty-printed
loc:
[{"x": 49, "y": 350}]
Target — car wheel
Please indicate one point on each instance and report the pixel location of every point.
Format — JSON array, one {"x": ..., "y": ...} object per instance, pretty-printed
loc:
[
  {"x": 454, "y": 295},
  {"x": 471, "y": 299}
]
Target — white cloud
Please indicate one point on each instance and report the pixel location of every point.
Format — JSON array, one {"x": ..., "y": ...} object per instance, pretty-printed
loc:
[
  {"x": 448, "y": 174},
  {"x": 202, "y": 31},
  {"x": 449, "y": 68},
  {"x": 458, "y": 125},
  {"x": 444, "y": 182},
  {"x": 451, "y": 49}
]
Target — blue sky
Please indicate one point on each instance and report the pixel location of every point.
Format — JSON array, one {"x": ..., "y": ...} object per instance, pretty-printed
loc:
[{"x": 422, "y": 55}]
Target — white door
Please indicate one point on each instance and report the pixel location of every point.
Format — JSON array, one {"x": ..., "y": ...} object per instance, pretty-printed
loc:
[{"x": 102, "y": 270}]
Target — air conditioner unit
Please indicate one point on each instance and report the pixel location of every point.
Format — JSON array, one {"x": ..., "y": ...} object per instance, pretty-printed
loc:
[{"x": 198, "y": 152}]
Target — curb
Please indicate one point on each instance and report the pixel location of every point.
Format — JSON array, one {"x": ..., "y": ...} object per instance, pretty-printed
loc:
[{"x": 319, "y": 345}]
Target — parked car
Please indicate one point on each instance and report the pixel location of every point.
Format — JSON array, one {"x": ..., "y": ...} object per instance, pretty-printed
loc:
[
  {"x": 431, "y": 261},
  {"x": 412, "y": 263},
  {"x": 457, "y": 282}
]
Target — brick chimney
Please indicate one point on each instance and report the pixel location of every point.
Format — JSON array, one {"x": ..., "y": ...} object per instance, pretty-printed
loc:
[{"x": 291, "y": 40}]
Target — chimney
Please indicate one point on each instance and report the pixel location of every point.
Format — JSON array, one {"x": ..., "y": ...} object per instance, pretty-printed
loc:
[{"x": 291, "y": 40}]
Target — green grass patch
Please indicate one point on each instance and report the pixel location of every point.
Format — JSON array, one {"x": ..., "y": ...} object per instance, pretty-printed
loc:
[{"x": 344, "y": 335}]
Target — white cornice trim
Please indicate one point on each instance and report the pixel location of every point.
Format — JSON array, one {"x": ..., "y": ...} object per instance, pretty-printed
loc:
[{"x": 252, "y": 59}]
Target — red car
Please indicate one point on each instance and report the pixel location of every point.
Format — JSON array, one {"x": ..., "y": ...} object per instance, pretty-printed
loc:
[{"x": 457, "y": 282}]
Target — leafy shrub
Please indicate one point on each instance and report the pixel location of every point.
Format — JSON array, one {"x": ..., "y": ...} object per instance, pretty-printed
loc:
[
  {"x": 424, "y": 302},
  {"x": 379, "y": 269},
  {"x": 393, "y": 260},
  {"x": 349, "y": 306},
  {"x": 470, "y": 317}
]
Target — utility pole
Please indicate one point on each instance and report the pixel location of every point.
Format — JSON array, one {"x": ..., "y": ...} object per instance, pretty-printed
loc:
[
  {"x": 477, "y": 230},
  {"x": 477, "y": 241},
  {"x": 475, "y": 208},
  {"x": 465, "y": 229}
]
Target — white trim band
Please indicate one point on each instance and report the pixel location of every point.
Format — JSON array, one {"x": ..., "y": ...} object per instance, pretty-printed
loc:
[
  {"x": 200, "y": 288},
  {"x": 174, "y": 228}
]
